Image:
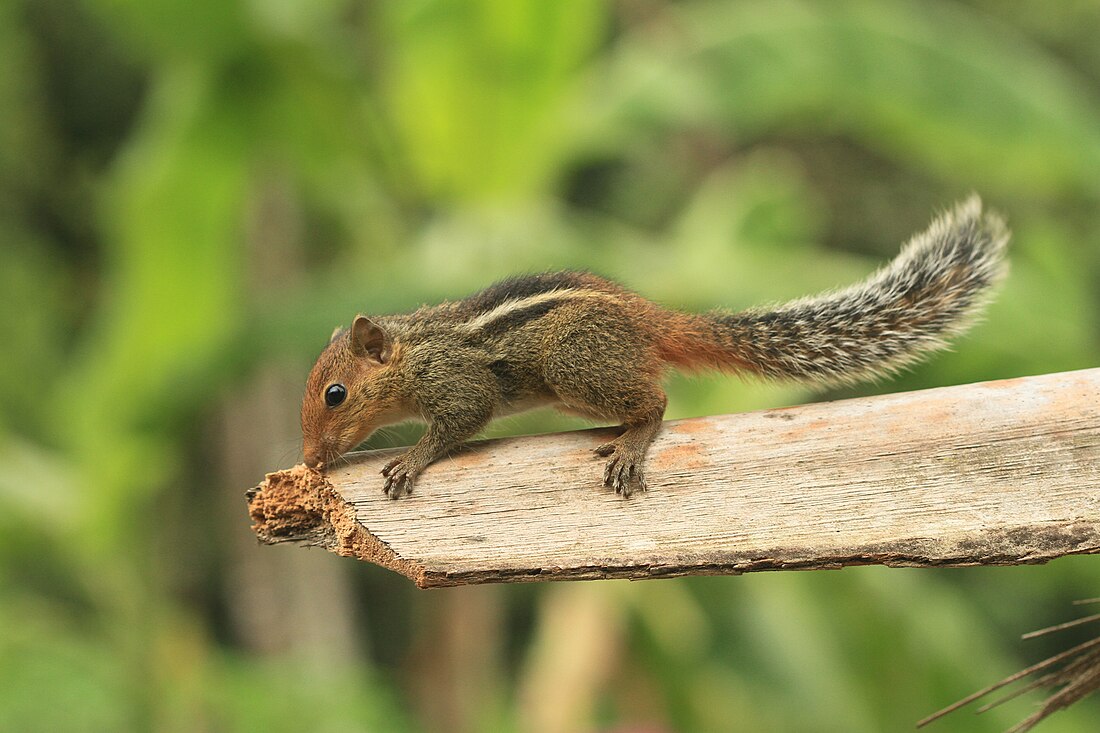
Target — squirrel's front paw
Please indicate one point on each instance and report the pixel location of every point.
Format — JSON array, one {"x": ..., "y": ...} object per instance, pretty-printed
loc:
[
  {"x": 624, "y": 471},
  {"x": 399, "y": 478}
]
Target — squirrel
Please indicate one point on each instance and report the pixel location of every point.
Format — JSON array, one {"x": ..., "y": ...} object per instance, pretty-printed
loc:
[{"x": 593, "y": 348}]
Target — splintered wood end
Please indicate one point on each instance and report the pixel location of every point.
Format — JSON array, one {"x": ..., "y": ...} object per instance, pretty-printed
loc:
[{"x": 299, "y": 505}]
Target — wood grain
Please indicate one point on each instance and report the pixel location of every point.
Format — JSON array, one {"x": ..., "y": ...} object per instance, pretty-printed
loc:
[{"x": 996, "y": 473}]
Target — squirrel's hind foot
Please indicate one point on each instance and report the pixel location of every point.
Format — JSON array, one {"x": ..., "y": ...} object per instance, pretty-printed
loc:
[{"x": 624, "y": 471}]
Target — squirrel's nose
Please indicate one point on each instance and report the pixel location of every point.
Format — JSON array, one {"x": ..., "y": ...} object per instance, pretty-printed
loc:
[{"x": 314, "y": 457}]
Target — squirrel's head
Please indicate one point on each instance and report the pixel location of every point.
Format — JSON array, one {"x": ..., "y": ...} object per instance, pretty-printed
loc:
[{"x": 344, "y": 401}]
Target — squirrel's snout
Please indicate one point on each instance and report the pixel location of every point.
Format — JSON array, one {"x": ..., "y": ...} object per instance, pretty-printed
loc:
[{"x": 313, "y": 456}]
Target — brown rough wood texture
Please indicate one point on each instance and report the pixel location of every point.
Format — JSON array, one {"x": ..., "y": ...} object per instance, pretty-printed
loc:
[{"x": 997, "y": 473}]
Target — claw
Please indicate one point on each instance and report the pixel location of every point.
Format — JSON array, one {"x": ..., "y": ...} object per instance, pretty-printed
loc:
[
  {"x": 623, "y": 474},
  {"x": 388, "y": 468},
  {"x": 399, "y": 479}
]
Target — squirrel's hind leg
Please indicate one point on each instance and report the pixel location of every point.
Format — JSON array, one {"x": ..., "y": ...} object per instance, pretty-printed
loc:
[
  {"x": 638, "y": 404},
  {"x": 624, "y": 471},
  {"x": 607, "y": 368}
]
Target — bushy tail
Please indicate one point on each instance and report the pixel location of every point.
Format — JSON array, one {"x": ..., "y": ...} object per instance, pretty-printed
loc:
[{"x": 931, "y": 291}]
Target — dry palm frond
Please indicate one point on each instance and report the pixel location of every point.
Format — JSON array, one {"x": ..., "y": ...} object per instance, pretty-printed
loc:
[{"x": 1073, "y": 674}]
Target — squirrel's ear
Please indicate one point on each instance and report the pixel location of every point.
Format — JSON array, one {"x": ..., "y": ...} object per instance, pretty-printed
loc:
[
  {"x": 370, "y": 340},
  {"x": 335, "y": 332}
]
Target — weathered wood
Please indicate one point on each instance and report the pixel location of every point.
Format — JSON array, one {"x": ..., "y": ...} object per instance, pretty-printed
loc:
[{"x": 997, "y": 473}]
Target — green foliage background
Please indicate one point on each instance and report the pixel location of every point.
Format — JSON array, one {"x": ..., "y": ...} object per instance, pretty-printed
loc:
[{"x": 192, "y": 194}]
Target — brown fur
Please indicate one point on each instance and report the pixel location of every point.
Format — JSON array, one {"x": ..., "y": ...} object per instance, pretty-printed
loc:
[{"x": 590, "y": 347}]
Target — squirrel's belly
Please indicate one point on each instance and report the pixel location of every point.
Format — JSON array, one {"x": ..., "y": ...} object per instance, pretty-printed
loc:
[{"x": 522, "y": 404}]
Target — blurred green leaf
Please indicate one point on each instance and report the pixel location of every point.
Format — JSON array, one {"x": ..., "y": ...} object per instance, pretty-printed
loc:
[
  {"x": 934, "y": 84},
  {"x": 474, "y": 90}
]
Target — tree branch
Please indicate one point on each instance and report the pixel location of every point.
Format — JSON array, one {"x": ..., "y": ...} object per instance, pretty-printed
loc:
[{"x": 996, "y": 473}]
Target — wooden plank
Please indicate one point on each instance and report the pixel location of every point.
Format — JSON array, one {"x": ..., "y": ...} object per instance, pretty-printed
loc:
[{"x": 1003, "y": 472}]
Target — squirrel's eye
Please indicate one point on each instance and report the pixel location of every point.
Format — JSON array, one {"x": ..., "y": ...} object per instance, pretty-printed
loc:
[{"x": 335, "y": 394}]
